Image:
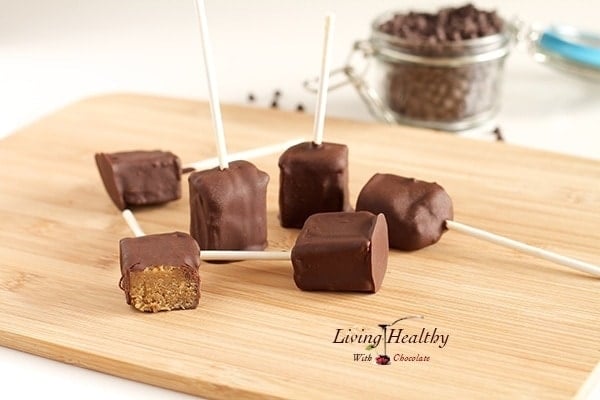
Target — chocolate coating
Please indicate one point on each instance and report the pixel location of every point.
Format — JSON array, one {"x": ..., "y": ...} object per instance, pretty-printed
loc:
[
  {"x": 136, "y": 178},
  {"x": 228, "y": 208},
  {"x": 313, "y": 179},
  {"x": 416, "y": 211},
  {"x": 175, "y": 249},
  {"x": 341, "y": 251}
]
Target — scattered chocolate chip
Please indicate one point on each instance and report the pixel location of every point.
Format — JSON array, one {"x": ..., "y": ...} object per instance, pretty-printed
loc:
[
  {"x": 276, "y": 97},
  {"x": 275, "y": 102},
  {"x": 498, "y": 133}
]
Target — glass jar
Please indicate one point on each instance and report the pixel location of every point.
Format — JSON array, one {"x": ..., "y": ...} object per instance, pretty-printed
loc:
[
  {"x": 448, "y": 86},
  {"x": 454, "y": 86}
]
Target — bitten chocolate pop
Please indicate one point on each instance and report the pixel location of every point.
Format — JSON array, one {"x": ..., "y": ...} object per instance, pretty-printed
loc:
[
  {"x": 416, "y": 211},
  {"x": 314, "y": 175},
  {"x": 160, "y": 272}
]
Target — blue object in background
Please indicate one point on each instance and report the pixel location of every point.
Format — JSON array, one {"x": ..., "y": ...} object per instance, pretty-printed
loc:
[{"x": 572, "y": 44}]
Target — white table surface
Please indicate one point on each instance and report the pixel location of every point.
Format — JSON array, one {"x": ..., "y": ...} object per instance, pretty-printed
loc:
[{"x": 55, "y": 52}]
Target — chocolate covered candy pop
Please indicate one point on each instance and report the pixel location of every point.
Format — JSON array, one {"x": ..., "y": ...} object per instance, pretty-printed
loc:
[
  {"x": 136, "y": 178},
  {"x": 419, "y": 212},
  {"x": 314, "y": 175},
  {"x": 416, "y": 211},
  {"x": 341, "y": 251},
  {"x": 313, "y": 179},
  {"x": 160, "y": 272},
  {"x": 228, "y": 209}
]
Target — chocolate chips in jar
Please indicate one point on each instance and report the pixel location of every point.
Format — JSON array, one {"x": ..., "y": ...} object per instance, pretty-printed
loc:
[
  {"x": 447, "y": 25},
  {"x": 441, "y": 70}
]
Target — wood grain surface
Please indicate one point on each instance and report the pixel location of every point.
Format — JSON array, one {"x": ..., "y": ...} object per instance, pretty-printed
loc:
[{"x": 518, "y": 327}]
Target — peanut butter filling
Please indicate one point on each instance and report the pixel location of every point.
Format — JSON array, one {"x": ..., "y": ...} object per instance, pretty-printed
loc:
[{"x": 163, "y": 288}]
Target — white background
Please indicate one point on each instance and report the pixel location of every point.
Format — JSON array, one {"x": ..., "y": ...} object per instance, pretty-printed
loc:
[{"x": 55, "y": 52}]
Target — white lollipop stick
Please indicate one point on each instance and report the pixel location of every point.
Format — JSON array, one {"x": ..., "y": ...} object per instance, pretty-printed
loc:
[
  {"x": 324, "y": 80},
  {"x": 243, "y": 155},
  {"x": 133, "y": 223},
  {"x": 214, "y": 255},
  {"x": 239, "y": 255},
  {"x": 213, "y": 93},
  {"x": 525, "y": 248}
]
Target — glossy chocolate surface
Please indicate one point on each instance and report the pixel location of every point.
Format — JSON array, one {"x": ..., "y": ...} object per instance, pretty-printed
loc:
[
  {"x": 341, "y": 251},
  {"x": 415, "y": 210},
  {"x": 137, "y": 178},
  {"x": 313, "y": 179},
  {"x": 228, "y": 208}
]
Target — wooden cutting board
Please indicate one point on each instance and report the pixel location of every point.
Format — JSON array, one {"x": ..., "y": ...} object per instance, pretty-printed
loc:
[{"x": 517, "y": 327}]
